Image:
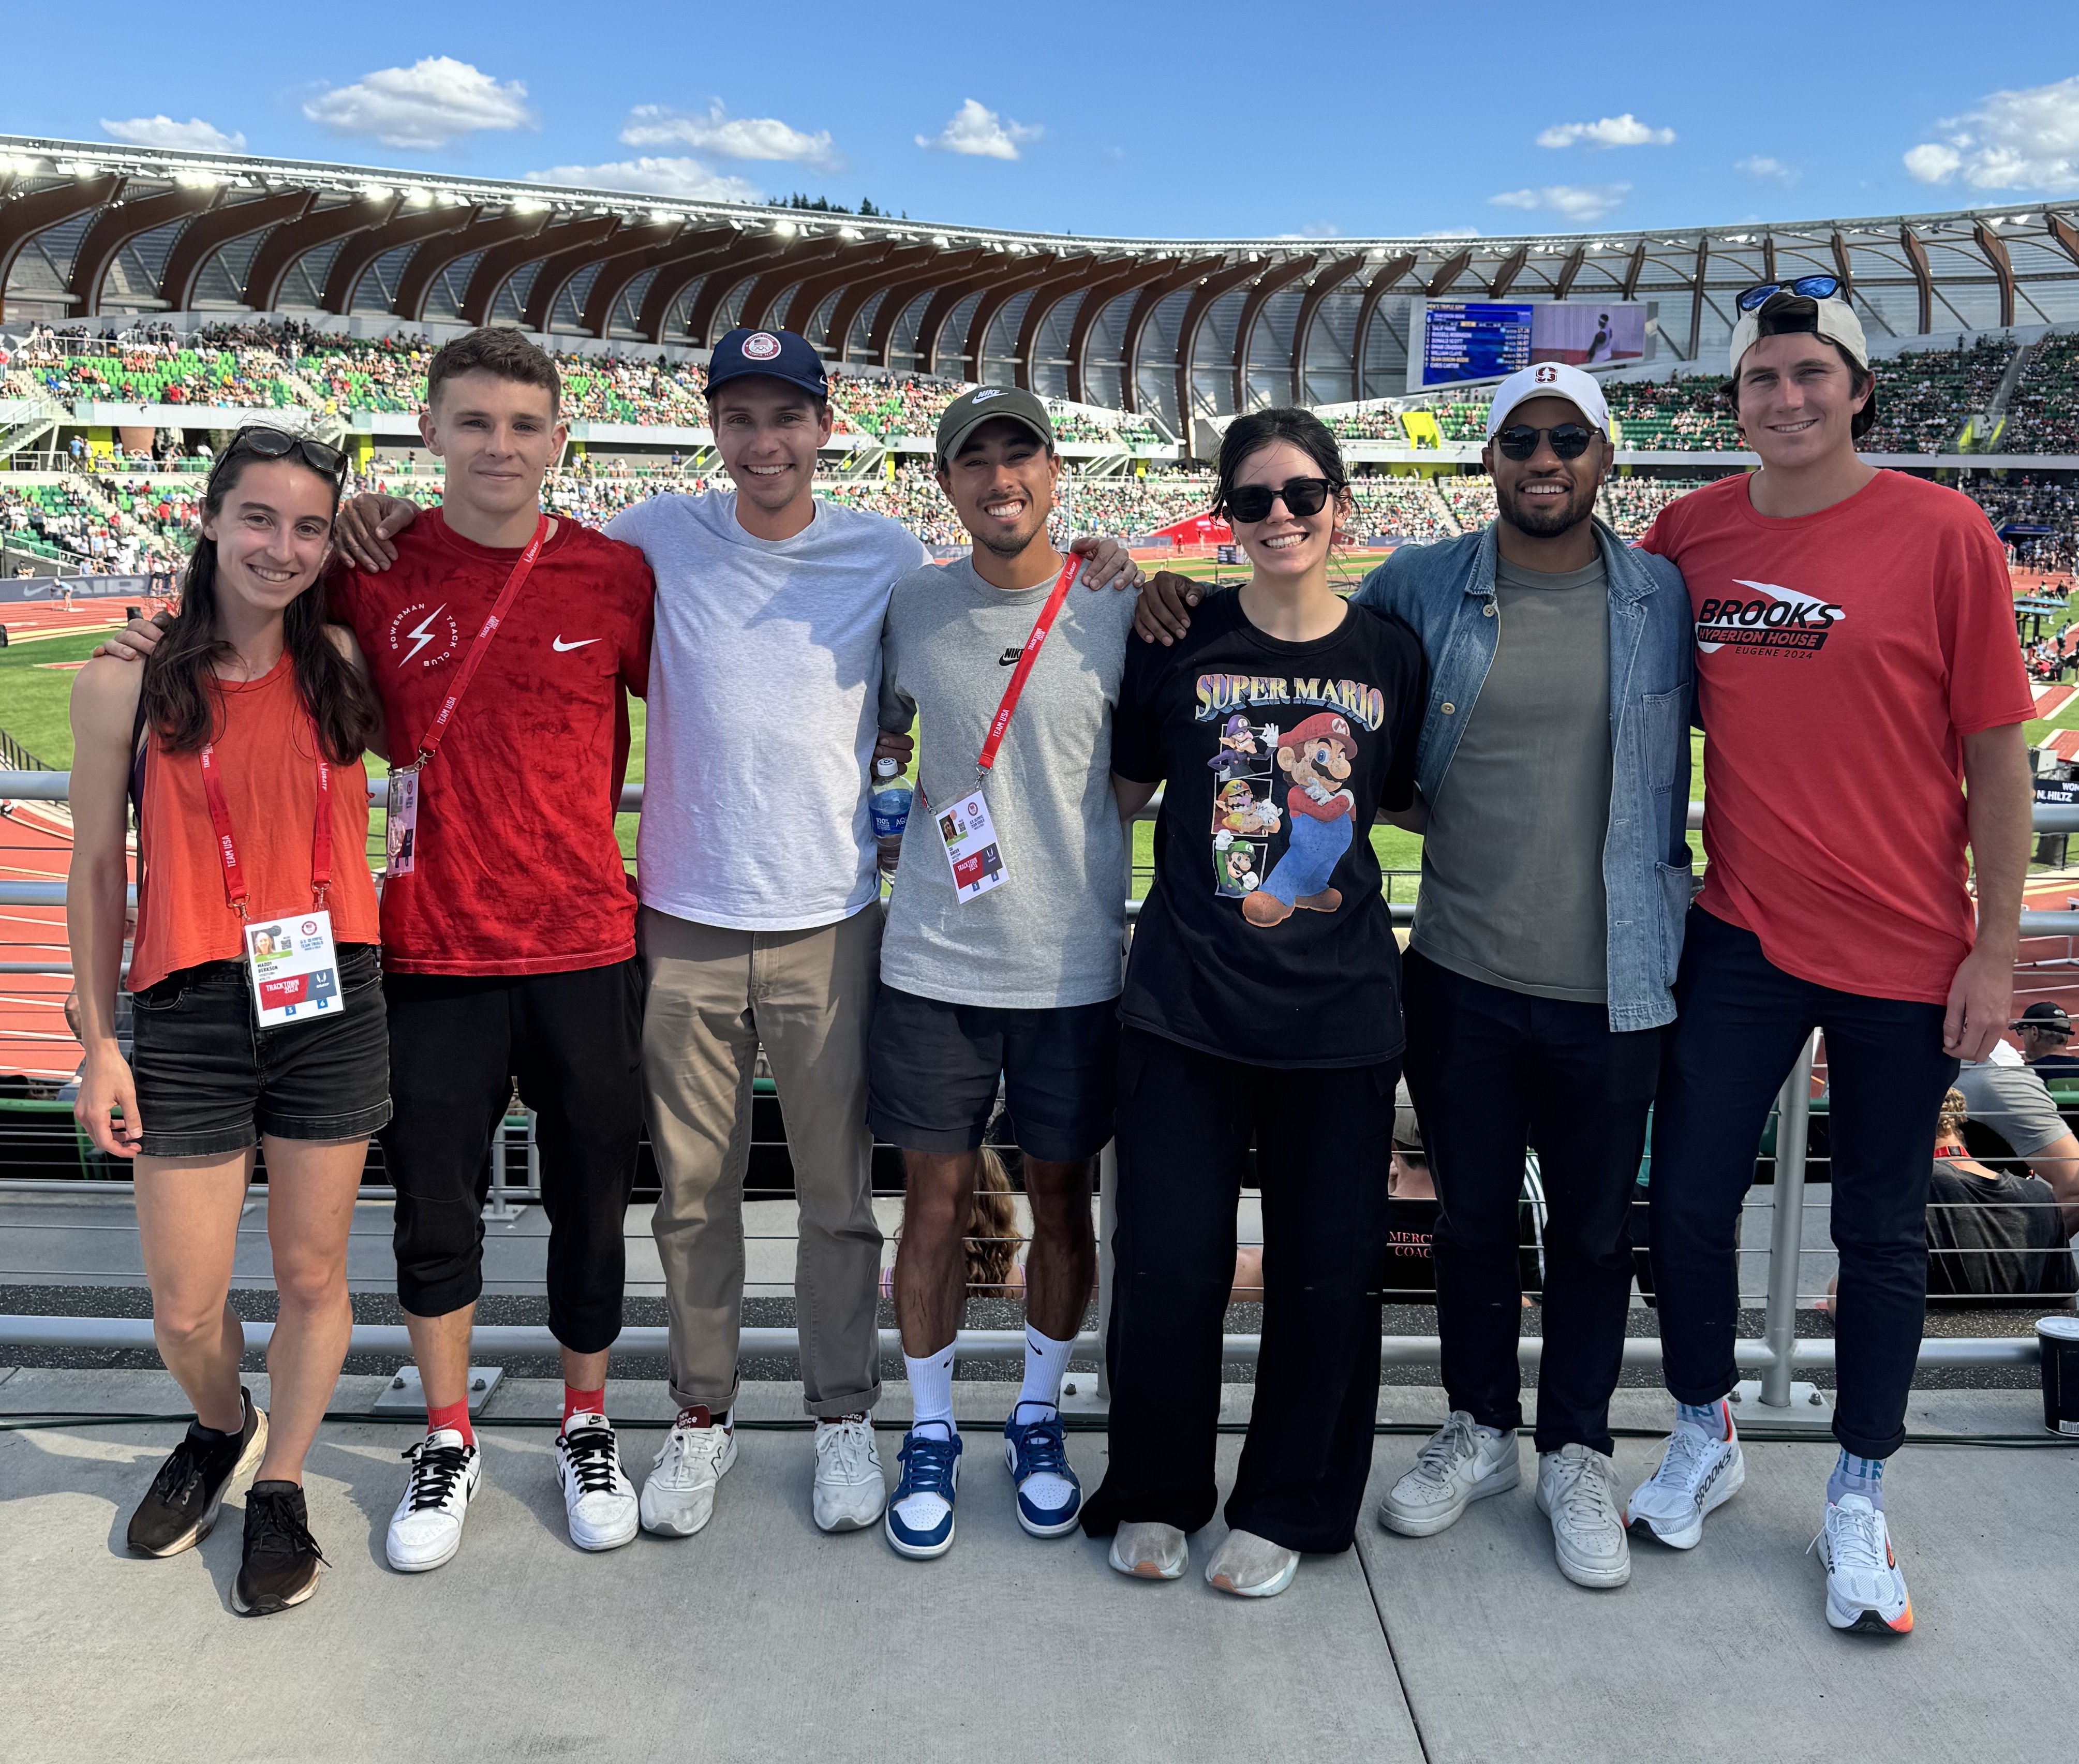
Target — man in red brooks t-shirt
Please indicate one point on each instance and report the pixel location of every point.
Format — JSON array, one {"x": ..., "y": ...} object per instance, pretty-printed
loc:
[{"x": 1857, "y": 668}]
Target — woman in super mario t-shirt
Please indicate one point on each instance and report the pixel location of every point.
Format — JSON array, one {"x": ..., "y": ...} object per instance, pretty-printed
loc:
[{"x": 1262, "y": 1003}]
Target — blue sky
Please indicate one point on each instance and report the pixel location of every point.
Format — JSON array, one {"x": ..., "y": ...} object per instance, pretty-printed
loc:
[{"x": 1212, "y": 119}]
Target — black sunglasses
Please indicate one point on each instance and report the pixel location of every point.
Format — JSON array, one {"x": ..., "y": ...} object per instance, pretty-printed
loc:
[
  {"x": 263, "y": 442},
  {"x": 1806, "y": 287},
  {"x": 1520, "y": 441},
  {"x": 1300, "y": 496}
]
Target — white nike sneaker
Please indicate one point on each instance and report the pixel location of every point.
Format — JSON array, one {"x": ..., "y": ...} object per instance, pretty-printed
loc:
[
  {"x": 1865, "y": 1591},
  {"x": 1460, "y": 1463},
  {"x": 1577, "y": 1490},
  {"x": 851, "y": 1492},
  {"x": 425, "y": 1531},
  {"x": 1697, "y": 1475},
  {"x": 598, "y": 1498},
  {"x": 679, "y": 1495}
]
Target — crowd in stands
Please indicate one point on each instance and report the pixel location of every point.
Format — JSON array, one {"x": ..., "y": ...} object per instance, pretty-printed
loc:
[
  {"x": 1925, "y": 396},
  {"x": 1683, "y": 415},
  {"x": 1471, "y": 498},
  {"x": 217, "y": 365},
  {"x": 1629, "y": 503},
  {"x": 2043, "y": 416},
  {"x": 1403, "y": 508},
  {"x": 2034, "y": 502},
  {"x": 1381, "y": 422}
]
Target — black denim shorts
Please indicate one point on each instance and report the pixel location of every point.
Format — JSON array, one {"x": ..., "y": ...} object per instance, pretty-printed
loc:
[{"x": 211, "y": 1081}]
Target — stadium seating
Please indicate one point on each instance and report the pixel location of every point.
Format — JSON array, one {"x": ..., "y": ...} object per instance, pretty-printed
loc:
[
  {"x": 1926, "y": 396},
  {"x": 2043, "y": 416}
]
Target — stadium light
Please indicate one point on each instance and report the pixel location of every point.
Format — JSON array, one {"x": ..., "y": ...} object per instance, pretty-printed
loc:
[
  {"x": 418, "y": 196},
  {"x": 786, "y": 229}
]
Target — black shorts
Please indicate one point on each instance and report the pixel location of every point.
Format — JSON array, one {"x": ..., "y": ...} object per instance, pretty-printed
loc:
[
  {"x": 211, "y": 1081},
  {"x": 574, "y": 1042},
  {"x": 932, "y": 1070}
]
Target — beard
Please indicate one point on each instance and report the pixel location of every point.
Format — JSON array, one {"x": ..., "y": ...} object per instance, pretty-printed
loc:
[{"x": 1545, "y": 520}]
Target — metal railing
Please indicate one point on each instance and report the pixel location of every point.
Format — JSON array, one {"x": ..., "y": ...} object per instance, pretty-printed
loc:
[{"x": 1777, "y": 1356}]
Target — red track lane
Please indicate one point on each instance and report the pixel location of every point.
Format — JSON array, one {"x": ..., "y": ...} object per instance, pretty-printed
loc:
[{"x": 34, "y": 1040}]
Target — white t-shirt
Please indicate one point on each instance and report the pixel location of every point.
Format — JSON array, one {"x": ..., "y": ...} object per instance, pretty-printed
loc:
[{"x": 764, "y": 684}]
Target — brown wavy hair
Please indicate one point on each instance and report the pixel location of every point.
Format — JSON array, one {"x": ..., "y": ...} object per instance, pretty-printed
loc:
[
  {"x": 181, "y": 700},
  {"x": 992, "y": 1237}
]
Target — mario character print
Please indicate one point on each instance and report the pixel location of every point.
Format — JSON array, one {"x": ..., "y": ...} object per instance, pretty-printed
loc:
[
  {"x": 1240, "y": 755},
  {"x": 1321, "y": 815}
]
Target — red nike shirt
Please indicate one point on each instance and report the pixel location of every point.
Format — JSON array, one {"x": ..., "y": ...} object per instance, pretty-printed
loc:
[
  {"x": 1841, "y": 659},
  {"x": 518, "y": 871}
]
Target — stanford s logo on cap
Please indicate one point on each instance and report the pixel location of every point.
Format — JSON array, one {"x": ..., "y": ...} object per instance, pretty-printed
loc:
[
  {"x": 1547, "y": 374},
  {"x": 761, "y": 346}
]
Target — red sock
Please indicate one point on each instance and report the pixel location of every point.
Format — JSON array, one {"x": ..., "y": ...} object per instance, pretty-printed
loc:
[
  {"x": 451, "y": 1414},
  {"x": 583, "y": 1403}
]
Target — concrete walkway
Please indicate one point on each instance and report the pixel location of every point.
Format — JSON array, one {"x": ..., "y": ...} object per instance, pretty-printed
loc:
[{"x": 763, "y": 1639}]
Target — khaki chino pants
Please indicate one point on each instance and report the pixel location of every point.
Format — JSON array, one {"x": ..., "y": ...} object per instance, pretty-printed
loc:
[{"x": 715, "y": 995}]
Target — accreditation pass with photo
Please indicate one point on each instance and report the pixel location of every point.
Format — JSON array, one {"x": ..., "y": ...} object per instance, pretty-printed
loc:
[
  {"x": 969, "y": 836},
  {"x": 295, "y": 969}
]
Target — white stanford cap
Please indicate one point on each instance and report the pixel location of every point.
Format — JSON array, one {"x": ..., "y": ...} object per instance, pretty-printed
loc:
[{"x": 1549, "y": 379}]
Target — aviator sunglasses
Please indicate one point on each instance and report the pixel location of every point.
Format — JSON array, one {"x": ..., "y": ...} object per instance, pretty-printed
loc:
[
  {"x": 1300, "y": 496},
  {"x": 1806, "y": 287},
  {"x": 263, "y": 442},
  {"x": 1520, "y": 441}
]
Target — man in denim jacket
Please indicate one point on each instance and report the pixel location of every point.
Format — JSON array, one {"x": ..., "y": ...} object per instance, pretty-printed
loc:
[{"x": 1555, "y": 782}]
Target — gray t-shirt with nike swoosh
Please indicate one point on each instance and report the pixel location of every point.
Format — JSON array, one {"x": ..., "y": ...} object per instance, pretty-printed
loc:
[{"x": 1053, "y": 935}]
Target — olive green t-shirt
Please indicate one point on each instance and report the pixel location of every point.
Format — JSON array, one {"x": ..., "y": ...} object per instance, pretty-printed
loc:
[{"x": 1512, "y": 862}]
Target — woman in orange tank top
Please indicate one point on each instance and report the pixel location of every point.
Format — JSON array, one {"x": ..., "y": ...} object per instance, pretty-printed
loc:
[{"x": 256, "y": 982}]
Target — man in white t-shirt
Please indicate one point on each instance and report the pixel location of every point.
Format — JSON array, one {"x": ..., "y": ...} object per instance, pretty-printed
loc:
[{"x": 754, "y": 865}]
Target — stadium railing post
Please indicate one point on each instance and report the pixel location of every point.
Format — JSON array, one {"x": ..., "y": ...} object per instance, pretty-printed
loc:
[{"x": 1775, "y": 1398}]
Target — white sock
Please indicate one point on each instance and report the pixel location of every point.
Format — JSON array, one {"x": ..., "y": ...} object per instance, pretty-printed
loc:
[
  {"x": 1046, "y": 1363},
  {"x": 931, "y": 1388}
]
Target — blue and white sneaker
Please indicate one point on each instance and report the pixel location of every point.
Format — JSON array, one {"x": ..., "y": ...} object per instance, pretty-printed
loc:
[
  {"x": 1050, "y": 1499},
  {"x": 920, "y": 1518}
]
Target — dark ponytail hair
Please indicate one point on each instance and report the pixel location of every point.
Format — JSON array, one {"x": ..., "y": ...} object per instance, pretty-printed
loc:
[
  {"x": 180, "y": 699},
  {"x": 1250, "y": 434}
]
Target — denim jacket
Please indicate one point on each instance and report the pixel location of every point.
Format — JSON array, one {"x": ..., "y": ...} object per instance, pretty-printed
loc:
[{"x": 1446, "y": 590}]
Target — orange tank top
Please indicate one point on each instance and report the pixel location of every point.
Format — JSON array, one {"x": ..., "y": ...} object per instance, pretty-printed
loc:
[{"x": 267, "y": 761}]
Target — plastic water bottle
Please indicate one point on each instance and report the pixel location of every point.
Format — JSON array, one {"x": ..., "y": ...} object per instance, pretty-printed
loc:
[{"x": 890, "y": 806}]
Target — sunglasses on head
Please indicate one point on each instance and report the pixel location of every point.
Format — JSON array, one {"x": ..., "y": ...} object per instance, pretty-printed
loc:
[
  {"x": 1806, "y": 287},
  {"x": 261, "y": 442},
  {"x": 1300, "y": 496},
  {"x": 1520, "y": 441}
]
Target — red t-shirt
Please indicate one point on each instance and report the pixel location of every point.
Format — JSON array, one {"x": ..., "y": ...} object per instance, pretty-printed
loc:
[
  {"x": 1841, "y": 657},
  {"x": 518, "y": 871}
]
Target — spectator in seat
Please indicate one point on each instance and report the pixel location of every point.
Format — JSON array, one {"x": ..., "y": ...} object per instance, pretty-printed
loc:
[
  {"x": 2044, "y": 1030},
  {"x": 2005, "y": 1092},
  {"x": 1993, "y": 1234}
]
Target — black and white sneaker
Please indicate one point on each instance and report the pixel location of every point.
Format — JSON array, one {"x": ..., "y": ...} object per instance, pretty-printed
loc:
[
  {"x": 180, "y": 1508},
  {"x": 598, "y": 1499},
  {"x": 425, "y": 1531},
  {"x": 281, "y": 1559}
]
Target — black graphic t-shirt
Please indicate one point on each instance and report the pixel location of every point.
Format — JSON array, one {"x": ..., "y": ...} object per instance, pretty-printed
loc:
[{"x": 1264, "y": 937}]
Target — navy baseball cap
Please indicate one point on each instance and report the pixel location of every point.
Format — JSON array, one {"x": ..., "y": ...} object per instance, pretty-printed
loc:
[{"x": 778, "y": 355}]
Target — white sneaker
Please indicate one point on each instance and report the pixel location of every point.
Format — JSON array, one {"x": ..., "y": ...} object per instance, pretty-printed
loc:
[
  {"x": 850, "y": 1492},
  {"x": 1460, "y": 1463},
  {"x": 425, "y": 1531},
  {"x": 1577, "y": 1490},
  {"x": 679, "y": 1495},
  {"x": 1251, "y": 1567},
  {"x": 1150, "y": 1550},
  {"x": 1865, "y": 1591},
  {"x": 1697, "y": 1475},
  {"x": 598, "y": 1498}
]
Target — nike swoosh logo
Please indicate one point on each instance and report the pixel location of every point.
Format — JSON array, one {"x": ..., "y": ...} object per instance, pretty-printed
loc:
[
  {"x": 1009, "y": 659},
  {"x": 562, "y": 648}
]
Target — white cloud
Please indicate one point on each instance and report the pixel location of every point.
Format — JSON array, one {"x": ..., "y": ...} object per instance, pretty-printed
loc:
[
  {"x": 194, "y": 136},
  {"x": 978, "y": 131},
  {"x": 1575, "y": 202},
  {"x": 1625, "y": 130},
  {"x": 2013, "y": 141},
  {"x": 1315, "y": 229},
  {"x": 1761, "y": 165},
  {"x": 1451, "y": 233},
  {"x": 426, "y": 105},
  {"x": 733, "y": 137},
  {"x": 686, "y": 178}
]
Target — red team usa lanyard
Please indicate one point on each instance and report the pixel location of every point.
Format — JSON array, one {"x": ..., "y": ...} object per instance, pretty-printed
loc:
[
  {"x": 967, "y": 827},
  {"x": 1022, "y": 672},
  {"x": 226, "y": 849},
  {"x": 401, "y": 822}
]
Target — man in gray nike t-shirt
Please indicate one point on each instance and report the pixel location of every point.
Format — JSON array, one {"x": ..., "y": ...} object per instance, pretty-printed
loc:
[{"x": 1014, "y": 983}]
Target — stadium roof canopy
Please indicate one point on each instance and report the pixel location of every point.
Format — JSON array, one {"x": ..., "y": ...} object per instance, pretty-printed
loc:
[{"x": 1171, "y": 326}]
